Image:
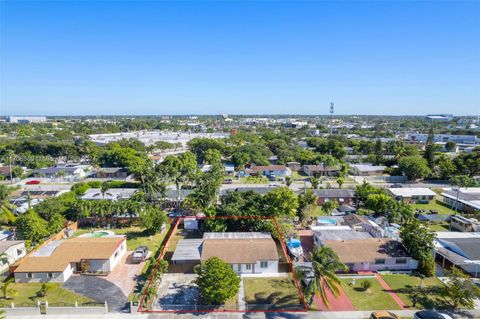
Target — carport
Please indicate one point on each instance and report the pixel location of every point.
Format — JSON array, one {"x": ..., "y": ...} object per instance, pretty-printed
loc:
[{"x": 186, "y": 255}]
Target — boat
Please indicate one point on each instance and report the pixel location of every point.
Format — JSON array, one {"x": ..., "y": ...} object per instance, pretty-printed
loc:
[{"x": 294, "y": 247}]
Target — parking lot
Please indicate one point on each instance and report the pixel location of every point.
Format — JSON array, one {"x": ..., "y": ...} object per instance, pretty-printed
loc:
[{"x": 177, "y": 291}]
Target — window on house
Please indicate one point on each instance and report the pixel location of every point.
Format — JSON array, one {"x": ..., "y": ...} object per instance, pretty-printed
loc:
[
  {"x": 248, "y": 266},
  {"x": 401, "y": 261},
  {"x": 379, "y": 261},
  {"x": 116, "y": 254},
  {"x": 19, "y": 252},
  {"x": 263, "y": 264},
  {"x": 50, "y": 275},
  {"x": 239, "y": 267},
  {"x": 29, "y": 275}
]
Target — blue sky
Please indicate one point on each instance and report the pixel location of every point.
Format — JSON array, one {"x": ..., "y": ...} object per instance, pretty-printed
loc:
[{"x": 268, "y": 57}]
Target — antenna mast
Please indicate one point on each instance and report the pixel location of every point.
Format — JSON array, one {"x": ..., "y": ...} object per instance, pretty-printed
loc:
[{"x": 332, "y": 110}]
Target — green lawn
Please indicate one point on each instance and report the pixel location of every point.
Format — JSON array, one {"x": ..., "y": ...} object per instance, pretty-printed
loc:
[
  {"x": 135, "y": 236},
  {"x": 439, "y": 227},
  {"x": 435, "y": 205},
  {"x": 375, "y": 298},
  {"x": 27, "y": 294},
  {"x": 403, "y": 287},
  {"x": 278, "y": 291}
]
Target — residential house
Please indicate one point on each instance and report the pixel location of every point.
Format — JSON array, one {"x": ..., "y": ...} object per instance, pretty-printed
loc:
[
  {"x": 413, "y": 195},
  {"x": 112, "y": 194},
  {"x": 248, "y": 253},
  {"x": 340, "y": 195},
  {"x": 12, "y": 250},
  {"x": 320, "y": 170},
  {"x": 366, "y": 170},
  {"x": 462, "y": 199},
  {"x": 294, "y": 166},
  {"x": 373, "y": 254},
  {"x": 460, "y": 250},
  {"x": 321, "y": 234},
  {"x": 111, "y": 173},
  {"x": 65, "y": 171},
  {"x": 463, "y": 224},
  {"x": 58, "y": 260},
  {"x": 364, "y": 224},
  {"x": 268, "y": 171}
]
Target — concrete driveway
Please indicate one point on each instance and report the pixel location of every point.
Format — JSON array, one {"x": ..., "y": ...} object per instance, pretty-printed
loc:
[
  {"x": 125, "y": 274},
  {"x": 177, "y": 291}
]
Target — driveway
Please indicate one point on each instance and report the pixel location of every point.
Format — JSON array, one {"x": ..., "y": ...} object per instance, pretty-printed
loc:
[
  {"x": 125, "y": 274},
  {"x": 98, "y": 289},
  {"x": 177, "y": 291}
]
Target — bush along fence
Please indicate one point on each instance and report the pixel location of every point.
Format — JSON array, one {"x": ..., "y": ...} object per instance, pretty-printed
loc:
[{"x": 157, "y": 267}]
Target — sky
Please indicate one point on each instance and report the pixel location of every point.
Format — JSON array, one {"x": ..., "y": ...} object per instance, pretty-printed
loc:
[{"x": 239, "y": 57}]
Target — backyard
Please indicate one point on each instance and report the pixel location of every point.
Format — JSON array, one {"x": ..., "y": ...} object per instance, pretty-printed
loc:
[
  {"x": 136, "y": 236},
  {"x": 404, "y": 286},
  {"x": 374, "y": 298},
  {"x": 435, "y": 205},
  {"x": 26, "y": 294},
  {"x": 280, "y": 292}
]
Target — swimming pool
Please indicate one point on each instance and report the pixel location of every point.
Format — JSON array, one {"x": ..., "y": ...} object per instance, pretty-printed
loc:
[
  {"x": 326, "y": 221},
  {"x": 98, "y": 234}
]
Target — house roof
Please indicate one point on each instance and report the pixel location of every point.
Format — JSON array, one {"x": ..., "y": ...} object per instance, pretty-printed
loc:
[
  {"x": 239, "y": 250},
  {"x": 414, "y": 191},
  {"x": 56, "y": 256},
  {"x": 469, "y": 196},
  {"x": 188, "y": 249},
  {"x": 355, "y": 219},
  {"x": 320, "y": 168},
  {"x": 5, "y": 244},
  {"x": 339, "y": 233},
  {"x": 111, "y": 170},
  {"x": 268, "y": 168},
  {"x": 367, "y": 167},
  {"x": 366, "y": 250},
  {"x": 110, "y": 194},
  {"x": 335, "y": 193}
]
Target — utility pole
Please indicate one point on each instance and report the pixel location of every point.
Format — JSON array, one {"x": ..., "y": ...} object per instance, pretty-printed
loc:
[{"x": 332, "y": 110}]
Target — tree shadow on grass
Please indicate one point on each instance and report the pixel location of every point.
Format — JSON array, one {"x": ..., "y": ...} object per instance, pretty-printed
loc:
[{"x": 424, "y": 297}]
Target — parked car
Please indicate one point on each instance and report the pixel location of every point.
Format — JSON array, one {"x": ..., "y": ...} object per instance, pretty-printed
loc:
[
  {"x": 430, "y": 314},
  {"x": 140, "y": 254},
  {"x": 228, "y": 181},
  {"x": 33, "y": 182},
  {"x": 383, "y": 315}
]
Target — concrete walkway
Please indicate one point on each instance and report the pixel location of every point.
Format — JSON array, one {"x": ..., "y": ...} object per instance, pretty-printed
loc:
[
  {"x": 390, "y": 291},
  {"x": 241, "y": 297}
]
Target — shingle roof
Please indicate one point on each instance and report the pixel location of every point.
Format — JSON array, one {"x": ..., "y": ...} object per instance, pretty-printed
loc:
[
  {"x": 366, "y": 250},
  {"x": 5, "y": 244},
  {"x": 335, "y": 193},
  {"x": 240, "y": 251},
  {"x": 70, "y": 250}
]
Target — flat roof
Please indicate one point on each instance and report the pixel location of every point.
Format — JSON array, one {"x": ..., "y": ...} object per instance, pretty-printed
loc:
[
  {"x": 368, "y": 168},
  {"x": 188, "y": 249},
  {"x": 367, "y": 250},
  {"x": 340, "y": 234},
  {"x": 412, "y": 191}
]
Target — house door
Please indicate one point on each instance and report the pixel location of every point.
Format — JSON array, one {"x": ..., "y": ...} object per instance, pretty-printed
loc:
[{"x": 78, "y": 267}]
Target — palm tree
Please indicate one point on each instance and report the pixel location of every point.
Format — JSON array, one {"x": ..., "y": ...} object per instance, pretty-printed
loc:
[
  {"x": 6, "y": 290},
  {"x": 6, "y": 214},
  {"x": 325, "y": 263}
]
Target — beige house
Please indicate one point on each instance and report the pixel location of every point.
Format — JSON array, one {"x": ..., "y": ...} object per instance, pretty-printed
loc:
[
  {"x": 58, "y": 260},
  {"x": 13, "y": 250},
  {"x": 372, "y": 254}
]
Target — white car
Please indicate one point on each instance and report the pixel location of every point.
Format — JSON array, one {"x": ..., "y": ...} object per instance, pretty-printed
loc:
[{"x": 430, "y": 314}]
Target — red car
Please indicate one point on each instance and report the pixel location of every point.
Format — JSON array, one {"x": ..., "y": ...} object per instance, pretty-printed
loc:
[{"x": 33, "y": 182}]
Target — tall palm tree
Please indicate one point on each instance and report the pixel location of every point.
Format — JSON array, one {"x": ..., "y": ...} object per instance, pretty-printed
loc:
[
  {"x": 325, "y": 263},
  {"x": 6, "y": 213}
]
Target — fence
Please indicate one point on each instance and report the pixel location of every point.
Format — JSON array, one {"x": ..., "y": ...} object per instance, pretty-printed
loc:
[
  {"x": 231, "y": 307},
  {"x": 21, "y": 310},
  {"x": 85, "y": 308}
]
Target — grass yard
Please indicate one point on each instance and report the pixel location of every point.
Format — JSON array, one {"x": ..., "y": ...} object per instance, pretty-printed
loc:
[
  {"x": 278, "y": 291},
  {"x": 135, "y": 236},
  {"x": 439, "y": 227},
  {"x": 435, "y": 205},
  {"x": 403, "y": 284},
  {"x": 375, "y": 298},
  {"x": 26, "y": 293}
]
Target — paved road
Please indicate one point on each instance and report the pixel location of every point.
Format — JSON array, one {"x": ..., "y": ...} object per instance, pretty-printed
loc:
[
  {"x": 287, "y": 315},
  {"x": 98, "y": 289}
]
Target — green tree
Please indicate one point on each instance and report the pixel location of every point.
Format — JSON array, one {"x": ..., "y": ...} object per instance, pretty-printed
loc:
[
  {"x": 444, "y": 167},
  {"x": 31, "y": 227},
  {"x": 414, "y": 167},
  {"x": 325, "y": 264},
  {"x": 419, "y": 242},
  {"x": 313, "y": 181},
  {"x": 281, "y": 201},
  {"x": 450, "y": 146},
  {"x": 340, "y": 182},
  {"x": 363, "y": 191},
  {"x": 378, "y": 153},
  {"x": 464, "y": 181},
  {"x": 152, "y": 219},
  {"x": 216, "y": 281},
  {"x": 6, "y": 214},
  {"x": 8, "y": 292},
  {"x": 380, "y": 203},
  {"x": 460, "y": 290},
  {"x": 329, "y": 206}
]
